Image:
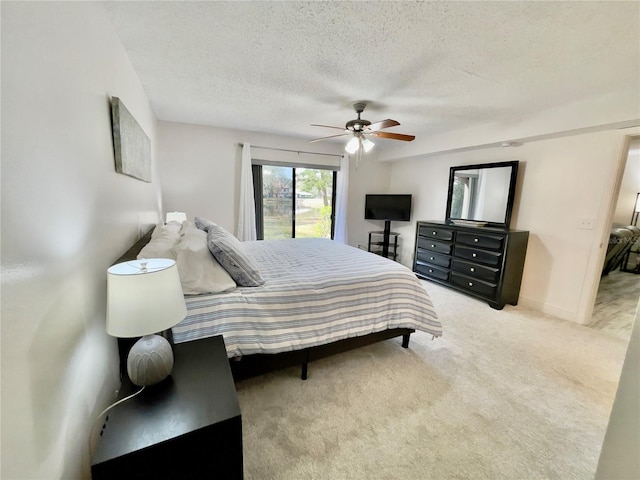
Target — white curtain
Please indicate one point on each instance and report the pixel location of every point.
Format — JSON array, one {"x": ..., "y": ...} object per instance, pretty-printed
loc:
[
  {"x": 342, "y": 194},
  {"x": 247, "y": 213}
]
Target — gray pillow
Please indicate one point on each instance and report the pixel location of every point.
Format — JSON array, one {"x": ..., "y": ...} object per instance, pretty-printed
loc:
[
  {"x": 229, "y": 252},
  {"x": 203, "y": 223}
]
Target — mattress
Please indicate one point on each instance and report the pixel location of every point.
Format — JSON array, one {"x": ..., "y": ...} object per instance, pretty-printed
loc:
[{"x": 316, "y": 291}]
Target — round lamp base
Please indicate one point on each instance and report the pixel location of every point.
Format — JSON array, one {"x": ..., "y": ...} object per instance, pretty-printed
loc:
[{"x": 150, "y": 360}]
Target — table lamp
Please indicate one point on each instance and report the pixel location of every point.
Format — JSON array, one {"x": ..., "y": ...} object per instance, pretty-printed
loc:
[
  {"x": 175, "y": 217},
  {"x": 145, "y": 297}
]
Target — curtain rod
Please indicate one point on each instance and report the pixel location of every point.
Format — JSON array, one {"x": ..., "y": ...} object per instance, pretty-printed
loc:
[{"x": 294, "y": 151}]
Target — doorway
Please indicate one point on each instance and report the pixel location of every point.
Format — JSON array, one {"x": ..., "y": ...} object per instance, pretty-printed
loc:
[{"x": 618, "y": 292}]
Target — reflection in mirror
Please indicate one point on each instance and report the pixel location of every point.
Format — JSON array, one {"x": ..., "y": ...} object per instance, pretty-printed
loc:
[{"x": 482, "y": 193}]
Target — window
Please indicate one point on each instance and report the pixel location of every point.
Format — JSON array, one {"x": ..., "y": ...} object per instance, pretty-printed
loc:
[
  {"x": 464, "y": 192},
  {"x": 294, "y": 201}
]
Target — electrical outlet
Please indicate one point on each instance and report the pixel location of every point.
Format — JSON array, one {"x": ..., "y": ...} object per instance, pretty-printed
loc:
[{"x": 586, "y": 223}]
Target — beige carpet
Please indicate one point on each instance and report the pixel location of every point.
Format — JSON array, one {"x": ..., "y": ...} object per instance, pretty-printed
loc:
[
  {"x": 502, "y": 395},
  {"x": 616, "y": 303}
]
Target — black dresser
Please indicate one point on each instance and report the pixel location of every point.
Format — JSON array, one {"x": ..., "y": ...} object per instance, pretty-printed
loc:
[{"x": 483, "y": 262}]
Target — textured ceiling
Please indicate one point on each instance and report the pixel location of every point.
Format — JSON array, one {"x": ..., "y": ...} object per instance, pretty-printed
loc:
[{"x": 278, "y": 67}]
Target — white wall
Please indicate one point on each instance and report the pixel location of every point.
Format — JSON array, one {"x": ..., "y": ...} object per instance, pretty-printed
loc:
[
  {"x": 371, "y": 176},
  {"x": 561, "y": 181},
  {"x": 200, "y": 166},
  {"x": 66, "y": 216},
  {"x": 201, "y": 170},
  {"x": 619, "y": 457}
]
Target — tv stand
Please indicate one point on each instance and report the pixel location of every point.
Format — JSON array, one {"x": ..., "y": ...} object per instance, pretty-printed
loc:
[{"x": 384, "y": 243}]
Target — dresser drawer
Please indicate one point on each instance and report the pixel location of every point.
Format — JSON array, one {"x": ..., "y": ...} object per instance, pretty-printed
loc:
[
  {"x": 435, "y": 245},
  {"x": 475, "y": 270},
  {"x": 486, "y": 263},
  {"x": 493, "y": 242},
  {"x": 479, "y": 287},
  {"x": 435, "y": 232},
  {"x": 432, "y": 271},
  {"x": 433, "y": 258},
  {"x": 486, "y": 257}
]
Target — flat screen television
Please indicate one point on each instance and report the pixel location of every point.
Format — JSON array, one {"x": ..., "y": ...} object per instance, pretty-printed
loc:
[{"x": 388, "y": 207}]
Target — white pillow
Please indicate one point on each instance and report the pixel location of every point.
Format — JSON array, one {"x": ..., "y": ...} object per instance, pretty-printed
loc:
[
  {"x": 161, "y": 245},
  {"x": 187, "y": 226},
  {"x": 157, "y": 230},
  {"x": 190, "y": 228},
  {"x": 173, "y": 226},
  {"x": 199, "y": 271}
]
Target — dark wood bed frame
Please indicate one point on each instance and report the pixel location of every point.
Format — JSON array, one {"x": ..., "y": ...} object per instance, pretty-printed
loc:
[{"x": 258, "y": 364}]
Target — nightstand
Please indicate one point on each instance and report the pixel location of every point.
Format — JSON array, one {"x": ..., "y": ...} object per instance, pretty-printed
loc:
[{"x": 188, "y": 426}]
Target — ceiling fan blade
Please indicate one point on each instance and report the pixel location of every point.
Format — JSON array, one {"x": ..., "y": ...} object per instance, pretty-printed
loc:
[
  {"x": 326, "y": 126},
  {"x": 330, "y": 136},
  {"x": 394, "y": 136},
  {"x": 374, "y": 127}
]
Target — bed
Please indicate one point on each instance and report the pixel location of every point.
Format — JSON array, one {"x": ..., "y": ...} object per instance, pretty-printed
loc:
[{"x": 310, "y": 298}]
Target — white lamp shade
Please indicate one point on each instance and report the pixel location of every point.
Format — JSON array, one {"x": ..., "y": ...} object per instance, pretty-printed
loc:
[
  {"x": 353, "y": 145},
  {"x": 142, "y": 301},
  {"x": 175, "y": 217},
  {"x": 367, "y": 145}
]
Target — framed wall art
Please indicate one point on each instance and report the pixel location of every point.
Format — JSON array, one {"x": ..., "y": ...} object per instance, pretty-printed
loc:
[{"x": 131, "y": 145}]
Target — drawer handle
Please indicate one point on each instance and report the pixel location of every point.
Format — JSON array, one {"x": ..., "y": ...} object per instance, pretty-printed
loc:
[
  {"x": 434, "y": 233},
  {"x": 433, "y": 246},
  {"x": 431, "y": 258},
  {"x": 431, "y": 270},
  {"x": 474, "y": 255},
  {"x": 472, "y": 269},
  {"x": 476, "y": 240},
  {"x": 471, "y": 284}
]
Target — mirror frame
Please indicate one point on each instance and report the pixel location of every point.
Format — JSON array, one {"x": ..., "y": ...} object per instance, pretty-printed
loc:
[{"x": 511, "y": 195}]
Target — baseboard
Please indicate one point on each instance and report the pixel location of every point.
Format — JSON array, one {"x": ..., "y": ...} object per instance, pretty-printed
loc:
[{"x": 547, "y": 309}]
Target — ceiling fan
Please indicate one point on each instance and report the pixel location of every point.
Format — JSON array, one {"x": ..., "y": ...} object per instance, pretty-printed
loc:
[{"x": 359, "y": 129}]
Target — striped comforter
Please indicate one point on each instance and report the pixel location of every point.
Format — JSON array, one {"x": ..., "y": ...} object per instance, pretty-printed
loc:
[{"x": 316, "y": 291}]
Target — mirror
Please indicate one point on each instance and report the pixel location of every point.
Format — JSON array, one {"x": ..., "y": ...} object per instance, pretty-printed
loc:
[{"x": 482, "y": 194}]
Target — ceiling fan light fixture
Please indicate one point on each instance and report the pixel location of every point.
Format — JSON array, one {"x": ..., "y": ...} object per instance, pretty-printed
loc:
[
  {"x": 367, "y": 145},
  {"x": 360, "y": 128},
  {"x": 353, "y": 145}
]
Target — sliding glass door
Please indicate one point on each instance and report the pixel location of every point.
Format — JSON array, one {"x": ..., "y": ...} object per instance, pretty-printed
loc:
[
  {"x": 294, "y": 201},
  {"x": 277, "y": 192},
  {"x": 314, "y": 203}
]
